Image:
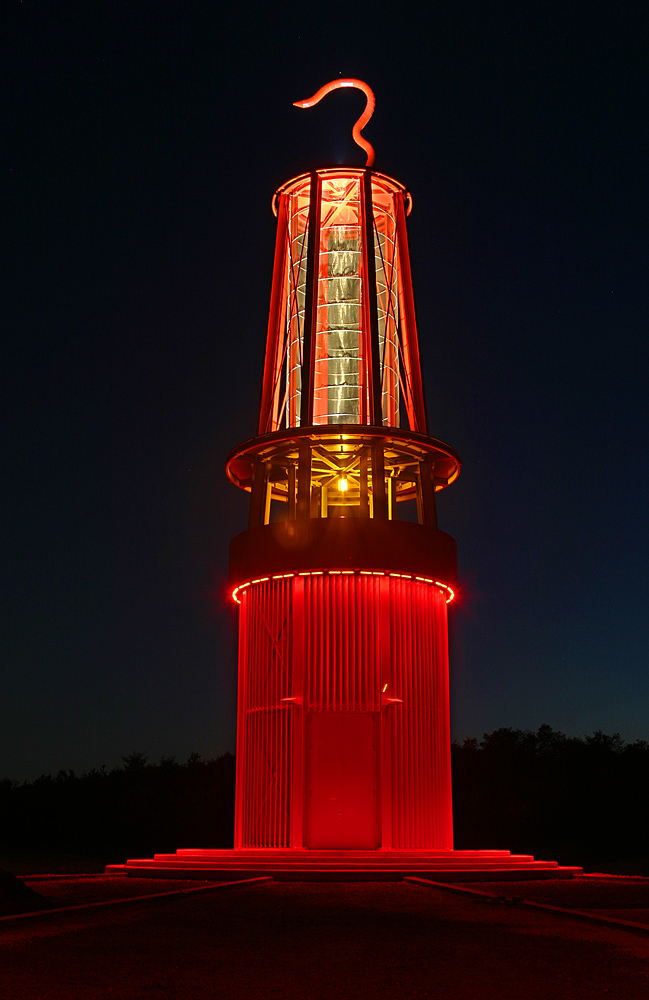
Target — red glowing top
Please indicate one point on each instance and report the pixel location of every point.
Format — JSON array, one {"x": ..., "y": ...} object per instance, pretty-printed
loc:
[{"x": 364, "y": 118}]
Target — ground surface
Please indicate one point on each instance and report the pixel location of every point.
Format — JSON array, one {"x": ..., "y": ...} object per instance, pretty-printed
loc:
[
  {"x": 320, "y": 941},
  {"x": 623, "y": 898},
  {"x": 96, "y": 888}
]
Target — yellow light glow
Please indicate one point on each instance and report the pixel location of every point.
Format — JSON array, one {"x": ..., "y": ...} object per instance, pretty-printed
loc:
[{"x": 342, "y": 484}]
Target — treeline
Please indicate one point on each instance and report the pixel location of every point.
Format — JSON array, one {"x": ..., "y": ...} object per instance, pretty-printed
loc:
[
  {"x": 130, "y": 811},
  {"x": 571, "y": 799}
]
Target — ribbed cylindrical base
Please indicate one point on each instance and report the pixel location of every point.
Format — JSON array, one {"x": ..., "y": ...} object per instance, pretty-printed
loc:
[{"x": 343, "y": 720}]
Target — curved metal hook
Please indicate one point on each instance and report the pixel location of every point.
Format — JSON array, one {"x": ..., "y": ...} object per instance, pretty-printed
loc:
[{"x": 362, "y": 121}]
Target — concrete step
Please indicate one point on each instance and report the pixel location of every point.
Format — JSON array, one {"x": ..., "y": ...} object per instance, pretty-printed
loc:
[
  {"x": 298, "y": 874},
  {"x": 359, "y": 866},
  {"x": 279, "y": 853},
  {"x": 342, "y": 865}
]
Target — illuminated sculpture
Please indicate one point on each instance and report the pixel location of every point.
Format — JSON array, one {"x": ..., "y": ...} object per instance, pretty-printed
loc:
[
  {"x": 343, "y": 722},
  {"x": 343, "y": 740}
]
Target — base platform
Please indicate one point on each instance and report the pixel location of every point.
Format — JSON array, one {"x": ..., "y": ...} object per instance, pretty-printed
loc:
[{"x": 343, "y": 866}]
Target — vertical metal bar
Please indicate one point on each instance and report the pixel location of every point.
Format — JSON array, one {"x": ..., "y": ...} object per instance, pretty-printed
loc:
[
  {"x": 376, "y": 408},
  {"x": 445, "y": 728},
  {"x": 346, "y": 637},
  {"x": 422, "y": 732},
  {"x": 241, "y": 784},
  {"x": 333, "y": 659},
  {"x": 291, "y": 491},
  {"x": 276, "y": 714},
  {"x": 440, "y": 803},
  {"x": 336, "y": 650},
  {"x": 269, "y": 495},
  {"x": 378, "y": 480},
  {"x": 281, "y": 712},
  {"x": 304, "y": 478},
  {"x": 271, "y": 720},
  {"x": 429, "y": 509},
  {"x": 364, "y": 368},
  {"x": 327, "y": 667},
  {"x": 423, "y": 718},
  {"x": 257, "y": 500},
  {"x": 253, "y": 737},
  {"x": 310, "y": 302},
  {"x": 292, "y": 714},
  {"x": 392, "y": 499},
  {"x": 259, "y": 719},
  {"x": 420, "y": 501},
  {"x": 351, "y": 632},
  {"x": 385, "y": 677},
  {"x": 364, "y": 501},
  {"x": 411, "y": 714},
  {"x": 282, "y": 749},
  {"x": 249, "y": 762},
  {"x": 275, "y": 335},
  {"x": 265, "y": 719},
  {"x": 418, "y": 731},
  {"x": 398, "y": 714},
  {"x": 426, "y": 721},
  {"x": 356, "y": 626},
  {"x": 425, "y": 642},
  {"x": 315, "y": 502},
  {"x": 410, "y": 341}
]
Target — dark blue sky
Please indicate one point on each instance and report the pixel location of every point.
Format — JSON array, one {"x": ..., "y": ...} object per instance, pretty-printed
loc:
[{"x": 142, "y": 148}]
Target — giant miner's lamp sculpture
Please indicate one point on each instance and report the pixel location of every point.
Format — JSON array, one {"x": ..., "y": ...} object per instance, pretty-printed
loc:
[{"x": 343, "y": 577}]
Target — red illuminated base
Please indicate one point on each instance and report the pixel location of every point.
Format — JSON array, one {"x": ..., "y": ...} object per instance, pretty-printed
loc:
[{"x": 344, "y": 866}]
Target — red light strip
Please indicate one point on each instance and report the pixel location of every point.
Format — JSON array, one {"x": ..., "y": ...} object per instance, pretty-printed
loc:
[
  {"x": 364, "y": 118},
  {"x": 444, "y": 587}
]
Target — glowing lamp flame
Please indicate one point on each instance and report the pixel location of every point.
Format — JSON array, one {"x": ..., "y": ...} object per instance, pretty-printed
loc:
[{"x": 342, "y": 484}]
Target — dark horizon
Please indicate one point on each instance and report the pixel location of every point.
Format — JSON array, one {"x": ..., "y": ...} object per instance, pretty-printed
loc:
[
  {"x": 142, "y": 154},
  {"x": 512, "y": 740}
]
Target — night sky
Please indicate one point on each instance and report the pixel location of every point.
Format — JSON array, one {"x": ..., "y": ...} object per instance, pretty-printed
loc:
[{"x": 142, "y": 145}]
